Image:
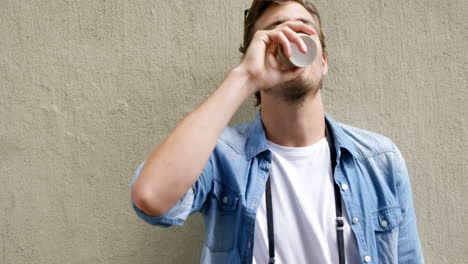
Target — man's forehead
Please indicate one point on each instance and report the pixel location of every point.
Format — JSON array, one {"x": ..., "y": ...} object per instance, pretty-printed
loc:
[
  {"x": 290, "y": 11},
  {"x": 279, "y": 20}
]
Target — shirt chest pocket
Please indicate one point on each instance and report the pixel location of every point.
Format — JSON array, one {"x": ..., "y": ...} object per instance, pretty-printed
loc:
[
  {"x": 221, "y": 219},
  {"x": 386, "y": 223}
]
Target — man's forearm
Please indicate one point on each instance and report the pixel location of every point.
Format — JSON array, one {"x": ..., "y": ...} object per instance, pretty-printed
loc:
[{"x": 178, "y": 161}]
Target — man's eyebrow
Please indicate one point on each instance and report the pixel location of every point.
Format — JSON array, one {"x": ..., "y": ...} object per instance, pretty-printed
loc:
[{"x": 304, "y": 20}]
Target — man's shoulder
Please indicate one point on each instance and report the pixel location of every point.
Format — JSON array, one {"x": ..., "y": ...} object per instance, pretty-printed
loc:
[
  {"x": 235, "y": 137},
  {"x": 366, "y": 142}
]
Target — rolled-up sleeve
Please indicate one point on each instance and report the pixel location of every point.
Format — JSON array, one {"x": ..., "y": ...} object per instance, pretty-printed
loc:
[{"x": 192, "y": 201}]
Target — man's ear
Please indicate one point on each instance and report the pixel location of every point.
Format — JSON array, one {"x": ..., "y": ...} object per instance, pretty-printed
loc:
[{"x": 324, "y": 64}]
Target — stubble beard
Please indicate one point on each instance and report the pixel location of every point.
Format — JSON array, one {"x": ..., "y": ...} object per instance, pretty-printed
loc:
[{"x": 295, "y": 91}]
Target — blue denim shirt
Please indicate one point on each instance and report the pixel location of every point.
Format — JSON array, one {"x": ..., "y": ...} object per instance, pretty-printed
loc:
[{"x": 371, "y": 172}]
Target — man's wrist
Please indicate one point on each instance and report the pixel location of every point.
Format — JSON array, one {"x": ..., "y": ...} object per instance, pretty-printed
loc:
[{"x": 241, "y": 74}]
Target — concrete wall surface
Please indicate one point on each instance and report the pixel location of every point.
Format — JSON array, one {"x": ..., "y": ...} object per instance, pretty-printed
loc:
[{"x": 89, "y": 88}]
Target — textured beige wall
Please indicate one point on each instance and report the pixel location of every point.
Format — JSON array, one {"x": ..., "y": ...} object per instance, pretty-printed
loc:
[{"x": 88, "y": 88}]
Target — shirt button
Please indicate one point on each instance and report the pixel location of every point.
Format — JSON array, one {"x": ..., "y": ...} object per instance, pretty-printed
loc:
[
  {"x": 344, "y": 187},
  {"x": 384, "y": 223},
  {"x": 367, "y": 259},
  {"x": 225, "y": 199},
  {"x": 248, "y": 244},
  {"x": 355, "y": 220}
]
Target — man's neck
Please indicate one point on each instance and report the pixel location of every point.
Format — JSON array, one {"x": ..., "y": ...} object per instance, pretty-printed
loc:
[{"x": 293, "y": 125}]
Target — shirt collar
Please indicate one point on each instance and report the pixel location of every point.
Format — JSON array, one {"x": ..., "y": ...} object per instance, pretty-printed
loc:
[{"x": 257, "y": 142}]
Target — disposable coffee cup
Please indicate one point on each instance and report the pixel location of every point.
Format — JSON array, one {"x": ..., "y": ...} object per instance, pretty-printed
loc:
[{"x": 297, "y": 58}]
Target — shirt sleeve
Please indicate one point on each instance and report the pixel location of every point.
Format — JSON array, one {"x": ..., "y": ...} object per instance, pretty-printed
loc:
[
  {"x": 191, "y": 202},
  {"x": 409, "y": 245}
]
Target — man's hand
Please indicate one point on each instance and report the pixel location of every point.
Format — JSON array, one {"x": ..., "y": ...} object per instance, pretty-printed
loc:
[{"x": 260, "y": 60}]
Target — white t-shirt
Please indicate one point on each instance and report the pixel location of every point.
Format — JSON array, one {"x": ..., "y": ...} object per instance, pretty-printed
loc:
[{"x": 304, "y": 214}]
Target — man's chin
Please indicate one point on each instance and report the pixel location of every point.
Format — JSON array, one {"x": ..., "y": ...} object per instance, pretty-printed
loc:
[{"x": 294, "y": 91}]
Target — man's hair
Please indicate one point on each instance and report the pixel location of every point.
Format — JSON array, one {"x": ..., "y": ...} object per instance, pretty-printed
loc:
[{"x": 256, "y": 11}]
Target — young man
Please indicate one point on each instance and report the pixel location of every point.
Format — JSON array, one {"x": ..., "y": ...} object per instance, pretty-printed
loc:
[{"x": 293, "y": 185}]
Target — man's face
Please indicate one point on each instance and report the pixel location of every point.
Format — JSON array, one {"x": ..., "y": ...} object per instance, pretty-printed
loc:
[{"x": 294, "y": 91}]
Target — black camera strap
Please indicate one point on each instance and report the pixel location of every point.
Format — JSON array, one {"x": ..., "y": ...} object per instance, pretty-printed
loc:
[{"x": 339, "y": 214}]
